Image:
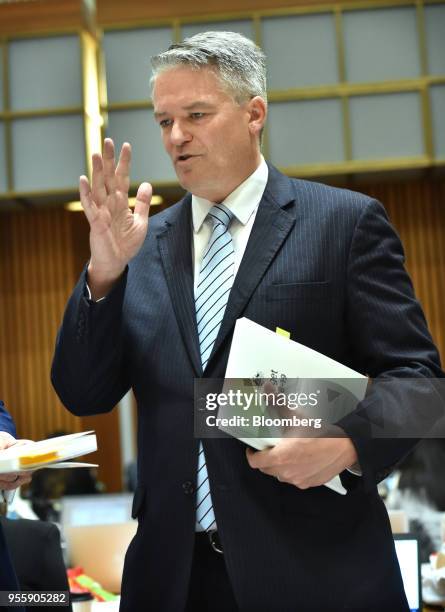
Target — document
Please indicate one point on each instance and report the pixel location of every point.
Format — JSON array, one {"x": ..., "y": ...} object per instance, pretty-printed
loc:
[
  {"x": 260, "y": 356},
  {"x": 50, "y": 453}
]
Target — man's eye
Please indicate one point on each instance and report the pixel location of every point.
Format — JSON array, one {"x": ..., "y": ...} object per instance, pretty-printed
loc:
[
  {"x": 197, "y": 115},
  {"x": 165, "y": 123}
]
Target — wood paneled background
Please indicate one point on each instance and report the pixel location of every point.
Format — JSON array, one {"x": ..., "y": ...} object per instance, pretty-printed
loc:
[
  {"x": 36, "y": 254},
  {"x": 42, "y": 253}
]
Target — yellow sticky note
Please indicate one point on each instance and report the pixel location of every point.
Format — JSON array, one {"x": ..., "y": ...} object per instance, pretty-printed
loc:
[
  {"x": 37, "y": 458},
  {"x": 282, "y": 332}
]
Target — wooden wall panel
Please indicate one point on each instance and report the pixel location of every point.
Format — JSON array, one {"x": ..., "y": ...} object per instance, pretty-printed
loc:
[
  {"x": 36, "y": 270},
  {"x": 417, "y": 210},
  {"x": 41, "y": 255}
]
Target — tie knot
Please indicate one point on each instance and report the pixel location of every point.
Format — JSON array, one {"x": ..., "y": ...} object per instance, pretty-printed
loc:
[{"x": 220, "y": 214}]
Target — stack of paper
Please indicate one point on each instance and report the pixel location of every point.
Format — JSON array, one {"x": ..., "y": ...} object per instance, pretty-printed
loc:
[{"x": 52, "y": 452}]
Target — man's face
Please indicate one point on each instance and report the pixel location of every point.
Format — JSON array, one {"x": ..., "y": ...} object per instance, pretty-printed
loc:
[{"x": 212, "y": 140}]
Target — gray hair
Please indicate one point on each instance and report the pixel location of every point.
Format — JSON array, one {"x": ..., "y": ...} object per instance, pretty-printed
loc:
[{"x": 239, "y": 63}]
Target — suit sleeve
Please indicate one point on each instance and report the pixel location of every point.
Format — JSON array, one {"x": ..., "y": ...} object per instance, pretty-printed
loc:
[
  {"x": 88, "y": 370},
  {"x": 6, "y": 422},
  {"x": 391, "y": 343}
]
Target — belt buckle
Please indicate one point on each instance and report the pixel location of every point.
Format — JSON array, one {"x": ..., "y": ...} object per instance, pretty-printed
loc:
[{"x": 215, "y": 542}]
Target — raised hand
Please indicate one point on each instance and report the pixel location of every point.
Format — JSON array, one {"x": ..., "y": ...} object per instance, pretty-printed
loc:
[{"x": 116, "y": 233}]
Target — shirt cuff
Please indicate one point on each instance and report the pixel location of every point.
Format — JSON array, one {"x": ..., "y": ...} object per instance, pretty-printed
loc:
[
  {"x": 89, "y": 295},
  {"x": 355, "y": 469}
]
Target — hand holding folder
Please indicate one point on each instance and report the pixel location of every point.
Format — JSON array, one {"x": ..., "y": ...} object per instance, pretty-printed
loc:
[{"x": 256, "y": 352}]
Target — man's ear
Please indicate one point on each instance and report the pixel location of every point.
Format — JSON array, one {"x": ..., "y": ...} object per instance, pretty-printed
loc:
[{"x": 257, "y": 114}]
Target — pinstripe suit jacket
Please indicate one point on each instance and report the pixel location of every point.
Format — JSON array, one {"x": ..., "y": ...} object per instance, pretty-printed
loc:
[{"x": 324, "y": 264}]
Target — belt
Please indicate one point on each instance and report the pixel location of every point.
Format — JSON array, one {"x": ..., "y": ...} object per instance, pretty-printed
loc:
[{"x": 212, "y": 537}]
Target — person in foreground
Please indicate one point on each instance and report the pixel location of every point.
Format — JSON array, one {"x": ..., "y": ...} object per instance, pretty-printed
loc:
[
  {"x": 8, "y": 482},
  {"x": 222, "y": 527}
]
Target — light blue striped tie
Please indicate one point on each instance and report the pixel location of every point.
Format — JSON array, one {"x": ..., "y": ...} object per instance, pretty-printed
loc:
[{"x": 211, "y": 295}]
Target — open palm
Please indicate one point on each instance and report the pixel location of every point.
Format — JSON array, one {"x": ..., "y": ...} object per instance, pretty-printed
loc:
[{"x": 116, "y": 233}]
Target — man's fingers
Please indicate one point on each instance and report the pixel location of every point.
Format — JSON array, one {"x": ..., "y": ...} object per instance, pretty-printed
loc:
[
  {"x": 98, "y": 180},
  {"x": 9, "y": 482},
  {"x": 12, "y": 477},
  {"x": 6, "y": 440},
  {"x": 256, "y": 462},
  {"x": 123, "y": 168},
  {"x": 109, "y": 166},
  {"x": 143, "y": 199},
  {"x": 22, "y": 441},
  {"x": 261, "y": 460},
  {"x": 86, "y": 199}
]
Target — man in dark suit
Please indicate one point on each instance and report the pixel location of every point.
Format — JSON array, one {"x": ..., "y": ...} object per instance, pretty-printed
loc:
[
  {"x": 8, "y": 482},
  {"x": 322, "y": 263}
]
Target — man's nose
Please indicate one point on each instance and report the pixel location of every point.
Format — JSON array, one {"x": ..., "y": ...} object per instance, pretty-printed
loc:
[{"x": 178, "y": 134}]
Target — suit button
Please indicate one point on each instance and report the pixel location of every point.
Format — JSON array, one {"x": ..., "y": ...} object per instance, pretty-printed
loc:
[{"x": 188, "y": 487}]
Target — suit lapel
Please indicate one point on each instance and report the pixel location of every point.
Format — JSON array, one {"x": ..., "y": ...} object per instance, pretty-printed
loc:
[
  {"x": 175, "y": 247},
  {"x": 271, "y": 227}
]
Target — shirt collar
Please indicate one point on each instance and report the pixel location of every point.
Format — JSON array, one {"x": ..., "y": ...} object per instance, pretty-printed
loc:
[{"x": 243, "y": 201}]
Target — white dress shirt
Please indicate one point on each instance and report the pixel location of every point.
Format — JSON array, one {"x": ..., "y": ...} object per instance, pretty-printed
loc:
[{"x": 243, "y": 203}]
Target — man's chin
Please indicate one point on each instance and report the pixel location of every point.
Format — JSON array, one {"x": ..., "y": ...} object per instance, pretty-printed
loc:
[
  {"x": 186, "y": 181},
  {"x": 199, "y": 186}
]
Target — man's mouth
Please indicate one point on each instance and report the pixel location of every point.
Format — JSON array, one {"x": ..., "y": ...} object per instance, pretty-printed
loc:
[{"x": 185, "y": 157}]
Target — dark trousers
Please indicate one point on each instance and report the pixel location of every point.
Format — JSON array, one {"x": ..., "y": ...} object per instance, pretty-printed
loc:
[{"x": 210, "y": 589}]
